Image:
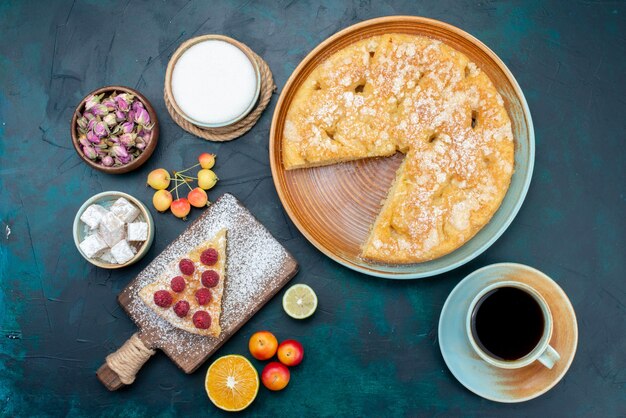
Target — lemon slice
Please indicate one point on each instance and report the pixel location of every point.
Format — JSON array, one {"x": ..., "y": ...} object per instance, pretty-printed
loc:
[
  {"x": 299, "y": 301},
  {"x": 232, "y": 383}
]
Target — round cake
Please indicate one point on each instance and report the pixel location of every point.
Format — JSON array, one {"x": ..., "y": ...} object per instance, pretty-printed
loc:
[{"x": 418, "y": 96}]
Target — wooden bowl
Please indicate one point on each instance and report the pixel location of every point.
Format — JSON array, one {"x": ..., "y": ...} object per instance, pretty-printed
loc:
[
  {"x": 147, "y": 152},
  {"x": 335, "y": 206},
  {"x": 106, "y": 199},
  {"x": 188, "y": 44}
]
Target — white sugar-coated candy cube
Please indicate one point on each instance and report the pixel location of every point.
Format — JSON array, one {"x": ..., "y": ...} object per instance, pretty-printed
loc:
[
  {"x": 137, "y": 231},
  {"x": 93, "y": 246},
  {"x": 93, "y": 215},
  {"x": 122, "y": 252},
  {"x": 111, "y": 222},
  {"x": 111, "y": 229},
  {"x": 107, "y": 257},
  {"x": 124, "y": 210}
]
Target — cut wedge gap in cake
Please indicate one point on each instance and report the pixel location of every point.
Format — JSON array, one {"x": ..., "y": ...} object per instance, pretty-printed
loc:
[{"x": 372, "y": 247}]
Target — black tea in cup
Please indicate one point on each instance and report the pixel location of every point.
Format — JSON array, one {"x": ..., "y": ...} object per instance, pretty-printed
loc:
[{"x": 507, "y": 323}]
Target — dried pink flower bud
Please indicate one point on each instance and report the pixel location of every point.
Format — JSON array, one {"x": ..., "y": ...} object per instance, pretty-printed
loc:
[
  {"x": 120, "y": 115},
  {"x": 100, "y": 129},
  {"x": 82, "y": 122},
  {"x": 119, "y": 151},
  {"x": 128, "y": 140},
  {"x": 92, "y": 123},
  {"x": 137, "y": 105},
  {"x": 142, "y": 117},
  {"x": 100, "y": 110},
  {"x": 91, "y": 137},
  {"x": 110, "y": 119},
  {"x": 122, "y": 102},
  {"x": 93, "y": 100},
  {"x": 90, "y": 152},
  {"x": 109, "y": 103},
  {"x": 107, "y": 161},
  {"x": 128, "y": 127}
]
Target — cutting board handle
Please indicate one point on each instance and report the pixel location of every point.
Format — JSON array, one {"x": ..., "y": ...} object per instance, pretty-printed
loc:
[{"x": 122, "y": 366}]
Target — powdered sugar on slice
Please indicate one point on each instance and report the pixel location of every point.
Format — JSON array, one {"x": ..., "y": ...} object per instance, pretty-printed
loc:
[{"x": 256, "y": 265}]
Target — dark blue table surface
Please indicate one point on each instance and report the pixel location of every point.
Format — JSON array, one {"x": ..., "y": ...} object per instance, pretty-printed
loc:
[{"x": 371, "y": 348}]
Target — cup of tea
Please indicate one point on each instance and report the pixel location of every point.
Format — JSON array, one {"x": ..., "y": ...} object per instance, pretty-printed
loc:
[{"x": 509, "y": 325}]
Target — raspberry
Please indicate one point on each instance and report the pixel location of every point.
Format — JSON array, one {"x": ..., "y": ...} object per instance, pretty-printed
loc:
[
  {"x": 203, "y": 296},
  {"x": 178, "y": 284},
  {"x": 202, "y": 319},
  {"x": 186, "y": 266},
  {"x": 162, "y": 298},
  {"x": 209, "y": 257},
  {"x": 181, "y": 308},
  {"x": 210, "y": 278}
]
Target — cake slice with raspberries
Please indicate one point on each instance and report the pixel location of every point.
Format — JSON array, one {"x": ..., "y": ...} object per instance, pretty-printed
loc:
[{"x": 189, "y": 293}]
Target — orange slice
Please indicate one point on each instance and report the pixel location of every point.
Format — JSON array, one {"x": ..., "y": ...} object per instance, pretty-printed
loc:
[{"x": 232, "y": 383}]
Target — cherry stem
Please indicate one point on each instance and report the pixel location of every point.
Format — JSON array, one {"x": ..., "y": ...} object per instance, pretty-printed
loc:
[
  {"x": 186, "y": 169},
  {"x": 176, "y": 189},
  {"x": 184, "y": 181},
  {"x": 188, "y": 177}
]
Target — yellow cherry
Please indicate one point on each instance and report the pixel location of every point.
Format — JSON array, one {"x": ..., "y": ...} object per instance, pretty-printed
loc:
[{"x": 206, "y": 179}]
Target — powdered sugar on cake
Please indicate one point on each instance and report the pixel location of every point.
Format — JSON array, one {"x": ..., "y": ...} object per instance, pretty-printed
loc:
[
  {"x": 254, "y": 260},
  {"x": 421, "y": 97}
]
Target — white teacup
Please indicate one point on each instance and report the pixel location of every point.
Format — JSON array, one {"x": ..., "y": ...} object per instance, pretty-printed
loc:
[{"x": 543, "y": 352}]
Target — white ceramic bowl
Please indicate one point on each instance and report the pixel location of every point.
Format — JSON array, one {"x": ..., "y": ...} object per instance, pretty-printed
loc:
[{"x": 193, "y": 41}]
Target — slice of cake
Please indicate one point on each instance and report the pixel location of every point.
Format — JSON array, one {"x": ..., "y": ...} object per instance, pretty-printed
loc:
[{"x": 189, "y": 293}]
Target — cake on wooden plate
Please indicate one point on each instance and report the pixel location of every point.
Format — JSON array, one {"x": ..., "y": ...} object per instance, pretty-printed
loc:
[
  {"x": 423, "y": 98},
  {"x": 188, "y": 294}
]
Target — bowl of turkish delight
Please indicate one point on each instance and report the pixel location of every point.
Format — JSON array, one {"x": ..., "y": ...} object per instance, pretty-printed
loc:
[{"x": 113, "y": 230}]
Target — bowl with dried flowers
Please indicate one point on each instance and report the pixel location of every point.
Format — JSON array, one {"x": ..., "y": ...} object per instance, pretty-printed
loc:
[{"x": 115, "y": 129}]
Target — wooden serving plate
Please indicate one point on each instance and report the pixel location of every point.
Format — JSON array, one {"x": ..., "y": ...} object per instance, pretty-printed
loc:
[
  {"x": 335, "y": 206},
  {"x": 257, "y": 267}
]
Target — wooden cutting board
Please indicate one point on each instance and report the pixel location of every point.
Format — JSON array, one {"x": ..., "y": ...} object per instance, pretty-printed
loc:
[{"x": 257, "y": 267}]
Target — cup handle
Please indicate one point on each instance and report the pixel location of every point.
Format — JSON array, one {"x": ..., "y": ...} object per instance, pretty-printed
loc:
[{"x": 549, "y": 357}]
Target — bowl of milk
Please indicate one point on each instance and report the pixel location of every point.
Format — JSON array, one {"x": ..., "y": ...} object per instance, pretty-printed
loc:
[{"x": 213, "y": 80}]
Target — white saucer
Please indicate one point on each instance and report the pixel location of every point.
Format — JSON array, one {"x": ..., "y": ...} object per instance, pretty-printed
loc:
[{"x": 502, "y": 385}]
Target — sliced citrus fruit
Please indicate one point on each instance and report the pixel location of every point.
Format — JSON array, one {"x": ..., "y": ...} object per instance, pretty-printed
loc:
[
  {"x": 232, "y": 382},
  {"x": 299, "y": 301}
]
